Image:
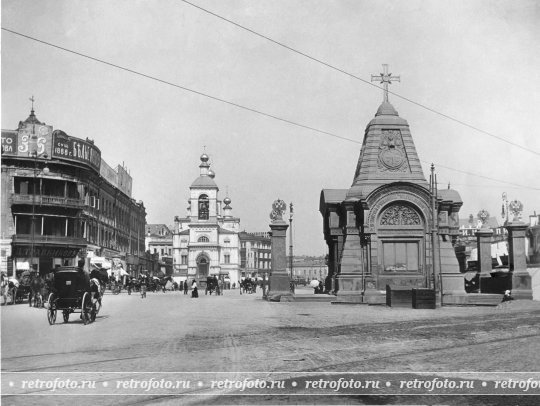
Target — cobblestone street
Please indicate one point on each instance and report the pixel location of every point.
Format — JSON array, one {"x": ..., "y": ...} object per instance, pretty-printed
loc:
[{"x": 171, "y": 332}]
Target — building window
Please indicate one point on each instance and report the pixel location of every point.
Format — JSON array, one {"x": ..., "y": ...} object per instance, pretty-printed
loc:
[
  {"x": 184, "y": 259},
  {"x": 227, "y": 259},
  {"x": 203, "y": 207},
  {"x": 203, "y": 239},
  {"x": 400, "y": 256}
]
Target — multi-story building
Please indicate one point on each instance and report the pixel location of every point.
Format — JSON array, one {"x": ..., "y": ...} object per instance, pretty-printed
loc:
[
  {"x": 62, "y": 203},
  {"x": 306, "y": 269},
  {"x": 205, "y": 242},
  {"x": 255, "y": 253},
  {"x": 159, "y": 242}
]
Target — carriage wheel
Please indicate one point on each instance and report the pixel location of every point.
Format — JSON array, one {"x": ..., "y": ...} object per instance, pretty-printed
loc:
[
  {"x": 51, "y": 311},
  {"x": 65, "y": 314}
]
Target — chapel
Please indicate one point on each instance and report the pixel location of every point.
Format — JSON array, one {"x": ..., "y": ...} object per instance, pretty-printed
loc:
[{"x": 391, "y": 227}]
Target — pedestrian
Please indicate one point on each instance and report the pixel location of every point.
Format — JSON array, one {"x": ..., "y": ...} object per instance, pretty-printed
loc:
[
  {"x": 220, "y": 287},
  {"x": 507, "y": 296},
  {"x": 194, "y": 290},
  {"x": 185, "y": 287}
]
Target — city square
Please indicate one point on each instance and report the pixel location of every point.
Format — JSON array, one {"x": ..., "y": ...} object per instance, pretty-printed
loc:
[{"x": 269, "y": 202}]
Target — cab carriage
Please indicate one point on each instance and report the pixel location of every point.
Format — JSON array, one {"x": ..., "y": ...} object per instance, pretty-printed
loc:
[{"x": 71, "y": 294}]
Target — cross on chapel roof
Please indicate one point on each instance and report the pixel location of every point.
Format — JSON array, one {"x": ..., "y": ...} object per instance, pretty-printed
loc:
[{"x": 385, "y": 78}]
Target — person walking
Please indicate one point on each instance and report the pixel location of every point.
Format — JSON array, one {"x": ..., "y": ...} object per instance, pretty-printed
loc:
[
  {"x": 185, "y": 287},
  {"x": 194, "y": 290}
]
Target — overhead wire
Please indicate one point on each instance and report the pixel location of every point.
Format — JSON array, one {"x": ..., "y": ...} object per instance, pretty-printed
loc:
[
  {"x": 147, "y": 76},
  {"x": 359, "y": 78}
]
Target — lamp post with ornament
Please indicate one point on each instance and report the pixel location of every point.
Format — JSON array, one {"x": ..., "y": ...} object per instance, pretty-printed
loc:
[
  {"x": 35, "y": 155},
  {"x": 279, "y": 285}
]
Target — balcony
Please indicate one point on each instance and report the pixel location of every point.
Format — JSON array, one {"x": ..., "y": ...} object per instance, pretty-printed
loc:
[
  {"x": 46, "y": 245},
  {"x": 47, "y": 200}
]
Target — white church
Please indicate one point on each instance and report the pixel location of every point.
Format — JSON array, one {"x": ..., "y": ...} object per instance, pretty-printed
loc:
[{"x": 205, "y": 242}]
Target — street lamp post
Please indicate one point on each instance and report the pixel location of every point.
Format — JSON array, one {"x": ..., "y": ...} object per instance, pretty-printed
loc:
[
  {"x": 291, "y": 239},
  {"x": 35, "y": 156}
]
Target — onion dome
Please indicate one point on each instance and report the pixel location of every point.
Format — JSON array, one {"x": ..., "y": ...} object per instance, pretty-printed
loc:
[
  {"x": 211, "y": 173},
  {"x": 204, "y": 158},
  {"x": 227, "y": 201}
]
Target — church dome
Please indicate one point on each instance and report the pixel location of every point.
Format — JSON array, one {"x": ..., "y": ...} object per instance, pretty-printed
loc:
[
  {"x": 204, "y": 158},
  {"x": 211, "y": 173},
  {"x": 227, "y": 201},
  {"x": 204, "y": 181}
]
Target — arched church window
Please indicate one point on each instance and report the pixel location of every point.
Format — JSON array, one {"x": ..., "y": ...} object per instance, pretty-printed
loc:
[
  {"x": 203, "y": 207},
  {"x": 203, "y": 239}
]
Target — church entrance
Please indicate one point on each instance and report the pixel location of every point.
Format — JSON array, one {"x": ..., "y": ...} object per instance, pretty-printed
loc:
[{"x": 202, "y": 268}]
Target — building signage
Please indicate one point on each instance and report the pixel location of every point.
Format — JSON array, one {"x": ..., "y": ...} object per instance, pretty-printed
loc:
[
  {"x": 9, "y": 143},
  {"x": 40, "y": 251},
  {"x": 74, "y": 149},
  {"x": 28, "y": 140},
  {"x": 124, "y": 180},
  {"x": 108, "y": 173}
]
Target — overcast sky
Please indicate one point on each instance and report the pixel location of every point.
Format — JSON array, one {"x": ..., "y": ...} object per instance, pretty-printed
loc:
[{"x": 476, "y": 61}]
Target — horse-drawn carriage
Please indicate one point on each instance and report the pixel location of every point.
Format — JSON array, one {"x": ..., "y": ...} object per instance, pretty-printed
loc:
[
  {"x": 211, "y": 285},
  {"x": 72, "y": 293}
]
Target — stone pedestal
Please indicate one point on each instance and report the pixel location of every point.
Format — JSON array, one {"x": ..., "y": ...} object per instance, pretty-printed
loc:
[
  {"x": 280, "y": 287},
  {"x": 350, "y": 277},
  {"x": 483, "y": 245},
  {"x": 521, "y": 279},
  {"x": 452, "y": 279}
]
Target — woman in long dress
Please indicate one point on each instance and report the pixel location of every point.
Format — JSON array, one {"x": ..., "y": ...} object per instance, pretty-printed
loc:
[{"x": 194, "y": 291}]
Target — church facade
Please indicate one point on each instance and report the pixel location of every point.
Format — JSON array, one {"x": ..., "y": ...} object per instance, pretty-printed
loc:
[
  {"x": 206, "y": 241},
  {"x": 391, "y": 227}
]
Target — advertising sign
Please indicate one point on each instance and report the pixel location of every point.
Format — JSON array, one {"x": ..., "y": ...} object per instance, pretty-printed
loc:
[
  {"x": 74, "y": 149},
  {"x": 108, "y": 173},
  {"x": 29, "y": 139},
  {"x": 9, "y": 143},
  {"x": 124, "y": 180}
]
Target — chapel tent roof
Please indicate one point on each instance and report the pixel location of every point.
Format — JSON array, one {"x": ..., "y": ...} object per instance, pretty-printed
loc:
[{"x": 388, "y": 155}]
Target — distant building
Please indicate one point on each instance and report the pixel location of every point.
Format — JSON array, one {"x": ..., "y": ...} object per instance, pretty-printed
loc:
[
  {"x": 206, "y": 241},
  {"x": 308, "y": 269},
  {"x": 255, "y": 253},
  {"x": 468, "y": 227},
  {"x": 159, "y": 242}
]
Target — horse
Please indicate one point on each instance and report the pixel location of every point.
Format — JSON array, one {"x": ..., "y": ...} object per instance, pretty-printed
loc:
[{"x": 38, "y": 290}]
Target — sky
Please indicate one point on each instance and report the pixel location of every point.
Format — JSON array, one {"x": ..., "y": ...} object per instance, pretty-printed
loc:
[{"x": 474, "y": 60}]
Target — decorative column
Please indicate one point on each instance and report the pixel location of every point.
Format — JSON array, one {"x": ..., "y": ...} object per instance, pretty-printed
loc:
[
  {"x": 521, "y": 279},
  {"x": 280, "y": 282},
  {"x": 483, "y": 244}
]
